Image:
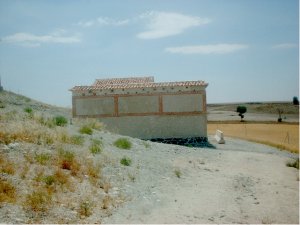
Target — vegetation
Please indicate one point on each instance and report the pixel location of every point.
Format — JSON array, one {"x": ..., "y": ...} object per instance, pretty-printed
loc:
[
  {"x": 125, "y": 161},
  {"x": 60, "y": 121},
  {"x": 38, "y": 201},
  {"x": 96, "y": 146},
  {"x": 42, "y": 158},
  {"x": 7, "y": 191},
  {"x": 177, "y": 173},
  {"x": 86, "y": 130},
  {"x": 85, "y": 208},
  {"x": 241, "y": 110},
  {"x": 123, "y": 143},
  {"x": 28, "y": 110}
]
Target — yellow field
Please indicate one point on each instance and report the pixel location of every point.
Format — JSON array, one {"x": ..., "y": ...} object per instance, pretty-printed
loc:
[{"x": 283, "y": 136}]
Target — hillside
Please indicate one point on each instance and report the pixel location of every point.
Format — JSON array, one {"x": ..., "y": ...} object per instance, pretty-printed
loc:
[{"x": 57, "y": 170}]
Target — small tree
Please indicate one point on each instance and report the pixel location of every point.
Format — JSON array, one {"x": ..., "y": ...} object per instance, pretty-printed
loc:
[
  {"x": 241, "y": 110},
  {"x": 295, "y": 100}
]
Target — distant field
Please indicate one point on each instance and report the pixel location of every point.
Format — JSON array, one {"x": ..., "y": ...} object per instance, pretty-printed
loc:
[{"x": 284, "y": 136}]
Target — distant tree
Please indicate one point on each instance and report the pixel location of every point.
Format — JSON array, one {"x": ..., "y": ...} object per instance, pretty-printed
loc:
[
  {"x": 295, "y": 100},
  {"x": 241, "y": 110}
]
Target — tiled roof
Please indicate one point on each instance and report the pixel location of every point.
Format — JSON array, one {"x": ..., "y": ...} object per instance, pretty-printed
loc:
[
  {"x": 120, "y": 85},
  {"x": 129, "y": 80}
]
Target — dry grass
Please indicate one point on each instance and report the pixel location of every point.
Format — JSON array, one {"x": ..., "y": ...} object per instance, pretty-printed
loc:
[
  {"x": 283, "y": 136},
  {"x": 6, "y": 166},
  {"x": 38, "y": 201},
  {"x": 7, "y": 191}
]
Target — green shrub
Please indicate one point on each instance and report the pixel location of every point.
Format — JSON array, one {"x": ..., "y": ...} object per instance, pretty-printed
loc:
[
  {"x": 177, "y": 173},
  {"x": 123, "y": 143},
  {"x": 241, "y": 110},
  {"x": 96, "y": 146},
  {"x": 60, "y": 121},
  {"x": 28, "y": 110},
  {"x": 86, "y": 130},
  {"x": 125, "y": 161}
]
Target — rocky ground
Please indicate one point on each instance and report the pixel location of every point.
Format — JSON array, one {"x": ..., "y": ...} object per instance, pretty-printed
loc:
[{"x": 57, "y": 174}]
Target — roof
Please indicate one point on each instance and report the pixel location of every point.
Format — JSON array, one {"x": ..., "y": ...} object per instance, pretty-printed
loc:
[
  {"x": 129, "y": 80},
  {"x": 134, "y": 82}
]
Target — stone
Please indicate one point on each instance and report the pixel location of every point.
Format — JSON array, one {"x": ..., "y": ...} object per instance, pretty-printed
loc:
[{"x": 220, "y": 137}]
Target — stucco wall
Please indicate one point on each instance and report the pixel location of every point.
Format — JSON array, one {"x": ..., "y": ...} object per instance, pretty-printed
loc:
[
  {"x": 163, "y": 112},
  {"x": 147, "y": 127}
]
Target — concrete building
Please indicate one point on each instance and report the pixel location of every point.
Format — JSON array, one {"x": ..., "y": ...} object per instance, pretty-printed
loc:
[{"x": 141, "y": 108}]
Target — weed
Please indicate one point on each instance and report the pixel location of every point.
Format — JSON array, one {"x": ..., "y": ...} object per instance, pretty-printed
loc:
[
  {"x": 60, "y": 121},
  {"x": 96, "y": 146},
  {"x": 38, "y": 201},
  {"x": 131, "y": 177},
  {"x": 86, "y": 130},
  {"x": 68, "y": 161},
  {"x": 177, "y": 173},
  {"x": 106, "y": 186},
  {"x": 85, "y": 208},
  {"x": 42, "y": 158},
  {"x": 2, "y": 105},
  {"x": 125, "y": 161},
  {"x": 28, "y": 110},
  {"x": 94, "y": 172},
  {"x": 61, "y": 178},
  {"x": 6, "y": 166},
  {"x": 123, "y": 143},
  {"x": 294, "y": 164},
  {"x": 7, "y": 191},
  {"x": 77, "y": 140},
  {"x": 49, "y": 180}
]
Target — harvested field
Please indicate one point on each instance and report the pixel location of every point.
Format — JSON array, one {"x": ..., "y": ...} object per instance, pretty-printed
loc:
[{"x": 283, "y": 136}]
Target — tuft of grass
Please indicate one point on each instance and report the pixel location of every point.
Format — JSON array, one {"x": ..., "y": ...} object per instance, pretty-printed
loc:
[
  {"x": 28, "y": 110},
  {"x": 49, "y": 180},
  {"x": 294, "y": 164},
  {"x": 125, "y": 161},
  {"x": 177, "y": 173},
  {"x": 68, "y": 161},
  {"x": 6, "y": 166},
  {"x": 96, "y": 146},
  {"x": 123, "y": 143},
  {"x": 42, "y": 158},
  {"x": 77, "y": 140},
  {"x": 60, "y": 121},
  {"x": 85, "y": 208},
  {"x": 38, "y": 201},
  {"x": 86, "y": 130},
  {"x": 7, "y": 192}
]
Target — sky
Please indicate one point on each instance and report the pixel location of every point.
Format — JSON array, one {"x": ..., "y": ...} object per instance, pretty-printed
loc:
[{"x": 246, "y": 50}]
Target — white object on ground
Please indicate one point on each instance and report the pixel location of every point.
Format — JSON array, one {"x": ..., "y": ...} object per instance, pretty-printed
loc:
[{"x": 220, "y": 137}]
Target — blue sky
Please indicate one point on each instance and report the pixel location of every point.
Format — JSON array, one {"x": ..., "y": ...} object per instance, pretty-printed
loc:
[{"x": 247, "y": 50}]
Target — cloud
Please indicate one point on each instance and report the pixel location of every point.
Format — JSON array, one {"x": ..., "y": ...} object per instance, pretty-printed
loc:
[
  {"x": 32, "y": 40},
  {"x": 103, "y": 21},
  {"x": 207, "y": 49},
  {"x": 285, "y": 46},
  {"x": 164, "y": 24}
]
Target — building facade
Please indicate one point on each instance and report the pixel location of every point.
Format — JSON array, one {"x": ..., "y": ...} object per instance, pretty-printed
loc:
[{"x": 139, "y": 107}]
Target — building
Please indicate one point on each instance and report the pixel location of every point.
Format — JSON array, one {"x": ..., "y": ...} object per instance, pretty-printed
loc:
[{"x": 142, "y": 108}]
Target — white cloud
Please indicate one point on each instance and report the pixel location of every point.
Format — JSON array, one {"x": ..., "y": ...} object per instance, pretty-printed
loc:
[
  {"x": 285, "y": 46},
  {"x": 164, "y": 24},
  {"x": 103, "y": 21},
  {"x": 207, "y": 49},
  {"x": 32, "y": 40}
]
